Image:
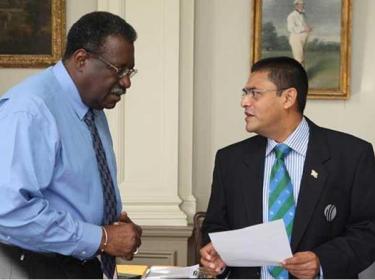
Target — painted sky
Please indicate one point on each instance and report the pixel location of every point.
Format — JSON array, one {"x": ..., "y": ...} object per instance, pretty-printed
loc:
[{"x": 324, "y": 16}]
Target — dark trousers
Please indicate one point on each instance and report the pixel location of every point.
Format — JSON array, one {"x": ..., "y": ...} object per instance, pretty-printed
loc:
[{"x": 48, "y": 266}]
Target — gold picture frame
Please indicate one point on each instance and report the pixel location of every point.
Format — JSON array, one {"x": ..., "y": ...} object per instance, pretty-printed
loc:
[
  {"x": 327, "y": 51},
  {"x": 32, "y": 32}
]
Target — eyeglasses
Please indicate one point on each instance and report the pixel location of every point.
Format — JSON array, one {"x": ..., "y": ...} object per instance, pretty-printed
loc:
[
  {"x": 120, "y": 72},
  {"x": 255, "y": 93}
]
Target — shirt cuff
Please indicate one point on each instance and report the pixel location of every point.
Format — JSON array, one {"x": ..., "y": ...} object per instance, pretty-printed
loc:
[
  {"x": 320, "y": 276},
  {"x": 89, "y": 242}
]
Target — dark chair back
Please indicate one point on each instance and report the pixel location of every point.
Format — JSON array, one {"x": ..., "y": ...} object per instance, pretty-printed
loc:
[{"x": 197, "y": 233}]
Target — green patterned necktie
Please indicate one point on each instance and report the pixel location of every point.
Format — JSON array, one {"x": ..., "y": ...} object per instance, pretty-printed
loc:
[{"x": 281, "y": 203}]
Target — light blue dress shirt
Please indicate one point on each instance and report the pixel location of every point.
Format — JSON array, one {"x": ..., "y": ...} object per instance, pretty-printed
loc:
[{"x": 51, "y": 197}]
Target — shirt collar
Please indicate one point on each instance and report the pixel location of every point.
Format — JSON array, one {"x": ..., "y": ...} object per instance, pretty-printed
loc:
[
  {"x": 69, "y": 89},
  {"x": 297, "y": 141}
]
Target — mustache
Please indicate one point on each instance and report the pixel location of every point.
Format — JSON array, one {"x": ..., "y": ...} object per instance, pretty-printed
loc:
[{"x": 118, "y": 91}]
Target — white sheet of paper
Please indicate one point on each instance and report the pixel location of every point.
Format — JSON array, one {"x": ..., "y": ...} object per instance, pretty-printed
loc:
[
  {"x": 263, "y": 244},
  {"x": 173, "y": 272}
]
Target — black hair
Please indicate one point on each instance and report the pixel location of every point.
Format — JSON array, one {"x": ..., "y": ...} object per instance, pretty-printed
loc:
[
  {"x": 92, "y": 29},
  {"x": 285, "y": 72}
]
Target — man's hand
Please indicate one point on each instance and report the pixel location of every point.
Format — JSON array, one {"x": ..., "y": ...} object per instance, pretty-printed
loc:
[
  {"x": 211, "y": 260},
  {"x": 125, "y": 219},
  {"x": 124, "y": 238},
  {"x": 303, "y": 265},
  {"x": 308, "y": 29}
]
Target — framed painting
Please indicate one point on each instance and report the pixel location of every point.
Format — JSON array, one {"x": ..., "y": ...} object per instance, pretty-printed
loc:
[
  {"x": 31, "y": 32},
  {"x": 317, "y": 33}
]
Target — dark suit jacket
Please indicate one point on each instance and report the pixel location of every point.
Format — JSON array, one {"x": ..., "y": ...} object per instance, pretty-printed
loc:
[{"x": 346, "y": 179}]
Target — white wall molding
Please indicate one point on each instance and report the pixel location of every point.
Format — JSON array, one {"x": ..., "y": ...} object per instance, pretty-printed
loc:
[
  {"x": 186, "y": 105},
  {"x": 113, "y": 6}
]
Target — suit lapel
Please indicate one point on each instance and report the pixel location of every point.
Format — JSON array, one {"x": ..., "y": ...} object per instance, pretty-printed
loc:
[
  {"x": 253, "y": 179},
  {"x": 312, "y": 183}
]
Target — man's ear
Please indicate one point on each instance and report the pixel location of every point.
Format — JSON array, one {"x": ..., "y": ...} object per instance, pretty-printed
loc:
[
  {"x": 79, "y": 58},
  {"x": 290, "y": 98}
]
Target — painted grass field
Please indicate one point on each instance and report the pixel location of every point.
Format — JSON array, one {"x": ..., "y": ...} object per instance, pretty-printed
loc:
[{"x": 323, "y": 68}]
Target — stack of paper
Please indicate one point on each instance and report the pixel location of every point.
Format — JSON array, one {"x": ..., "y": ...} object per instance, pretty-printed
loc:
[{"x": 131, "y": 271}]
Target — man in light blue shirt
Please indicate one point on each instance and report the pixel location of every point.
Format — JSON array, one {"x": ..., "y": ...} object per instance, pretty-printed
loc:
[{"x": 52, "y": 195}]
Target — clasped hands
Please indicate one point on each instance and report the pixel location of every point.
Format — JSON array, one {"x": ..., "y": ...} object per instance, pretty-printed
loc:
[
  {"x": 124, "y": 238},
  {"x": 301, "y": 265}
]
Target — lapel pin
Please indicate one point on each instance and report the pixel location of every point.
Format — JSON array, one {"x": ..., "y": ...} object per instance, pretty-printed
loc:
[
  {"x": 314, "y": 174},
  {"x": 330, "y": 212}
]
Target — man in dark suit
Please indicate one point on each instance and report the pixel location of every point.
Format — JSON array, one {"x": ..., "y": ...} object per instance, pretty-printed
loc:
[{"x": 332, "y": 175}]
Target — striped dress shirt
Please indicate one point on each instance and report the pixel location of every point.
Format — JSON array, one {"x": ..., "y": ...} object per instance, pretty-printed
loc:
[{"x": 294, "y": 162}]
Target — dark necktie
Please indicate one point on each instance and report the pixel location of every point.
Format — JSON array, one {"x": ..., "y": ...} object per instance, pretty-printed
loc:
[
  {"x": 109, "y": 215},
  {"x": 281, "y": 203}
]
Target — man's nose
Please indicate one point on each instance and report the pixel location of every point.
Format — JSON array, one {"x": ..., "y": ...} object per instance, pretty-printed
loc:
[
  {"x": 125, "y": 82},
  {"x": 246, "y": 101}
]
